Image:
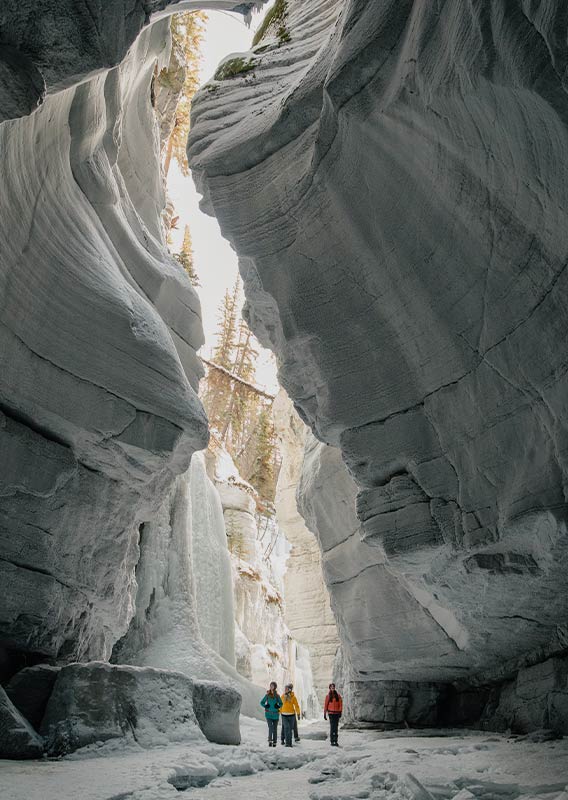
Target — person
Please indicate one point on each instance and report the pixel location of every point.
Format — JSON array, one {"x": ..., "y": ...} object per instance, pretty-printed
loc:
[
  {"x": 290, "y": 710},
  {"x": 290, "y": 687},
  {"x": 333, "y": 709},
  {"x": 272, "y": 703}
]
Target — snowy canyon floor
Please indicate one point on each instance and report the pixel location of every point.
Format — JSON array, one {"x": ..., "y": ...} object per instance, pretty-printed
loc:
[{"x": 426, "y": 765}]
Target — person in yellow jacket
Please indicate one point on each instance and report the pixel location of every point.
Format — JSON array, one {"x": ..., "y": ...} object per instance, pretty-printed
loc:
[{"x": 289, "y": 712}]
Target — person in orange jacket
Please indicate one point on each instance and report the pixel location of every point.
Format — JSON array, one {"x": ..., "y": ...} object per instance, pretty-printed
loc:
[{"x": 333, "y": 708}]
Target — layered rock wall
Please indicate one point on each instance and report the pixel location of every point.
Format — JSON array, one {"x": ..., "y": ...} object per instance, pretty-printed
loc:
[
  {"x": 383, "y": 619},
  {"x": 389, "y": 177},
  {"x": 99, "y": 326},
  {"x": 99, "y": 413}
]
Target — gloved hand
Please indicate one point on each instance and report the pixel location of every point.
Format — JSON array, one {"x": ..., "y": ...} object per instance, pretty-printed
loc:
[{"x": 325, "y": 716}]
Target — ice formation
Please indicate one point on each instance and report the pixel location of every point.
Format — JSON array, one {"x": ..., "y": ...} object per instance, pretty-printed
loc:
[
  {"x": 184, "y": 545},
  {"x": 308, "y": 612},
  {"x": 266, "y": 649}
]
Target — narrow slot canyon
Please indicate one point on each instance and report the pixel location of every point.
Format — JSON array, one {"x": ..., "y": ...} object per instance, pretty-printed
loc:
[{"x": 282, "y": 322}]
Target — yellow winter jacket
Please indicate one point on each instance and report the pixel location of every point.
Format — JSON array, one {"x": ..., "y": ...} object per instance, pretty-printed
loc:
[{"x": 290, "y": 704}]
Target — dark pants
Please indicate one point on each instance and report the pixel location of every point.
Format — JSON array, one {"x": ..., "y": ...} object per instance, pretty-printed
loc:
[
  {"x": 296, "y": 736},
  {"x": 288, "y": 727},
  {"x": 272, "y": 730},
  {"x": 333, "y": 727}
]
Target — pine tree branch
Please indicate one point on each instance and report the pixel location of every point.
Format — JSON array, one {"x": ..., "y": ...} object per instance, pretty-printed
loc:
[{"x": 233, "y": 377}]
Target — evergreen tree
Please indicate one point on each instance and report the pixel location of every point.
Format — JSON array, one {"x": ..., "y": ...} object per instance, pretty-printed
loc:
[
  {"x": 263, "y": 474},
  {"x": 224, "y": 350},
  {"x": 185, "y": 257},
  {"x": 239, "y": 412},
  {"x": 242, "y": 399},
  {"x": 218, "y": 390},
  {"x": 188, "y": 29}
]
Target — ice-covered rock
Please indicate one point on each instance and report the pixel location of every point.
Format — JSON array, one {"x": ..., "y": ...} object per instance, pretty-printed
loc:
[
  {"x": 30, "y": 689},
  {"x": 166, "y": 631},
  {"x": 217, "y": 709},
  {"x": 258, "y": 555},
  {"x": 388, "y": 174},
  {"x": 265, "y": 647},
  {"x": 17, "y": 737},
  {"x": 211, "y": 564},
  {"x": 307, "y": 611},
  {"x": 95, "y": 702}
]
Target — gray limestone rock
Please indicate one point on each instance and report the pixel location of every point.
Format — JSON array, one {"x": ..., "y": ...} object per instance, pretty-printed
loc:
[
  {"x": 217, "y": 708},
  {"x": 401, "y": 224},
  {"x": 95, "y": 702},
  {"x": 30, "y": 689},
  {"x": 536, "y": 699},
  {"x": 17, "y": 737},
  {"x": 395, "y": 704},
  {"x": 99, "y": 327}
]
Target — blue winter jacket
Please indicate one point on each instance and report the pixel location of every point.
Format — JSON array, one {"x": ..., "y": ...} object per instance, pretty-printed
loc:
[{"x": 271, "y": 705}]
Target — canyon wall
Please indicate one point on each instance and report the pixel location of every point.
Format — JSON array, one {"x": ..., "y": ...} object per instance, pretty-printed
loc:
[
  {"x": 99, "y": 326},
  {"x": 99, "y": 411},
  {"x": 389, "y": 175}
]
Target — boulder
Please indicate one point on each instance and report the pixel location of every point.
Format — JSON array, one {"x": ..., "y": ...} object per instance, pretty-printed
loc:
[
  {"x": 96, "y": 702},
  {"x": 29, "y": 691},
  {"x": 217, "y": 709},
  {"x": 537, "y": 699},
  {"x": 17, "y": 737},
  {"x": 394, "y": 704}
]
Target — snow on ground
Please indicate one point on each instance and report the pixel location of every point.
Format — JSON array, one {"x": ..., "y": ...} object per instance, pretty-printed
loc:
[{"x": 410, "y": 765}]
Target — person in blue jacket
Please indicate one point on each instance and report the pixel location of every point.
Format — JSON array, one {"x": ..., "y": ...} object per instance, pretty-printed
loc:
[{"x": 272, "y": 704}]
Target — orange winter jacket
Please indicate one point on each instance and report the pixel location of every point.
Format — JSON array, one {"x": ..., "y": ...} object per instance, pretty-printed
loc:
[{"x": 333, "y": 706}]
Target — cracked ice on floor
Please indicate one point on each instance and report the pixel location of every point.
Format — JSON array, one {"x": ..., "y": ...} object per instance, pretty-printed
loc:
[{"x": 450, "y": 765}]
